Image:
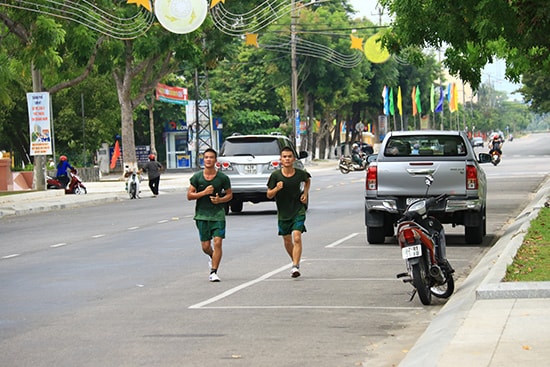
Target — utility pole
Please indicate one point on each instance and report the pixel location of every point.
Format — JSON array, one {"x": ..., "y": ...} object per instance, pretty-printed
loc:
[{"x": 294, "y": 115}]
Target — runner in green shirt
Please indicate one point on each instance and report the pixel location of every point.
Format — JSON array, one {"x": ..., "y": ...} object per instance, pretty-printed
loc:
[
  {"x": 211, "y": 189},
  {"x": 290, "y": 188}
]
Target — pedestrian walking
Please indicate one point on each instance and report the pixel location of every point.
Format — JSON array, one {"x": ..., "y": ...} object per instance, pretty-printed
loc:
[
  {"x": 212, "y": 190},
  {"x": 290, "y": 188},
  {"x": 153, "y": 169}
]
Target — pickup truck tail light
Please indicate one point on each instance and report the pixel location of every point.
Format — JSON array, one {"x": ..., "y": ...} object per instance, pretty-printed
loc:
[
  {"x": 372, "y": 178},
  {"x": 471, "y": 178}
]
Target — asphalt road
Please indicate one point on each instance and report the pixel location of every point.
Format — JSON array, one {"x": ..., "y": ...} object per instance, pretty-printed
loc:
[{"x": 125, "y": 284}]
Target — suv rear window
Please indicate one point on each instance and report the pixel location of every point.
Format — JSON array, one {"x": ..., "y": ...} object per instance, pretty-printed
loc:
[
  {"x": 250, "y": 146},
  {"x": 429, "y": 145}
]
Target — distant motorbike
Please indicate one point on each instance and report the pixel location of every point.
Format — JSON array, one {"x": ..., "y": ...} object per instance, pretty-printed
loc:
[
  {"x": 75, "y": 185},
  {"x": 347, "y": 165},
  {"x": 495, "y": 157},
  {"x": 422, "y": 241}
]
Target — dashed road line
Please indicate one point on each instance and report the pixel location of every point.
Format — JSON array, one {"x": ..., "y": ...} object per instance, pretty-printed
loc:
[{"x": 336, "y": 243}]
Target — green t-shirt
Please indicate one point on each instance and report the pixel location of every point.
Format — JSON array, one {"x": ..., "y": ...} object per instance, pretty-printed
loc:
[
  {"x": 204, "y": 209},
  {"x": 288, "y": 199}
]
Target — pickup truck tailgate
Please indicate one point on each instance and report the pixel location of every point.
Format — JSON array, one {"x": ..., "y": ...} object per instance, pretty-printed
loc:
[{"x": 407, "y": 178}]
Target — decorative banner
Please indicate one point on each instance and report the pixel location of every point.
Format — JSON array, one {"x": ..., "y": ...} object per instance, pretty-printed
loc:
[
  {"x": 169, "y": 94},
  {"x": 373, "y": 50},
  {"x": 181, "y": 16},
  {"x": 39, "y": 123}
]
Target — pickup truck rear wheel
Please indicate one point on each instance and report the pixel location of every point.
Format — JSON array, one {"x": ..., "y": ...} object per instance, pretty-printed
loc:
[
  {"x": 474, "y": 235},
  {"x": 236, "y": 206},
  {"x": 376, "y": 234}
]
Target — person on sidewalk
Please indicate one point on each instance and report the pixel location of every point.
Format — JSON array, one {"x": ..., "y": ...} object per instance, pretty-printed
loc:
[
  {"x": 62, "y": 175},
  {"x": 153, "y": 169},
  {"x": 290, "y": 188},
  {"x": 212, "y": 190}
]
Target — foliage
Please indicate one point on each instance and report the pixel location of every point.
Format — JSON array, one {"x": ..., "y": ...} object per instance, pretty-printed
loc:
[
  {"x": 475, "y": 32},
  {"x": 532, "y": 261}
]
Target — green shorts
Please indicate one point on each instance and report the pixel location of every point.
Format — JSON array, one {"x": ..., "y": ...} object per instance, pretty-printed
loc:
[
  {"x": 298, "y": 223},
  {"x": 209, "y": 229}
]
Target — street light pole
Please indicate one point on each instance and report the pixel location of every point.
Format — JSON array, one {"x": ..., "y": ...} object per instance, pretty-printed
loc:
[{"x": 294, "y": 74}]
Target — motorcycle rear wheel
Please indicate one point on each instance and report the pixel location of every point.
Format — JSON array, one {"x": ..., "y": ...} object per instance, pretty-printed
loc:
[
  {"x": 445, "y": 290},
  {"x": 79, "y": 190},
  {"x": 421, "y": 280},
  {"x": 344, "y": 170}
]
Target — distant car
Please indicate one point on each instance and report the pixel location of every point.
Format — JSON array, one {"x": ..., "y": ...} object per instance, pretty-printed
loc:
[
  {"x": 249, "y": 160},
  {"x": 477, "y": 142}
]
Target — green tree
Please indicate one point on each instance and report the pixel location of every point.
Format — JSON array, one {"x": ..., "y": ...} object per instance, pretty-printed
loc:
[{"x": 475, "y": 32}]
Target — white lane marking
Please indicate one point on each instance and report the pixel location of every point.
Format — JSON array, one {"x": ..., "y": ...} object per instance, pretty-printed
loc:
[
  {"x": 59, "y": 245},
  {"x": 132, "y": 228},
  {"x": 162, "y": 221},
  {"x": 381, "y": 308},
  {"x": 10, "y": 256},
  {"x": 336, "y": 243},
  {"x": 240, "y": 287},
  {"x": 98, "y": 236}
]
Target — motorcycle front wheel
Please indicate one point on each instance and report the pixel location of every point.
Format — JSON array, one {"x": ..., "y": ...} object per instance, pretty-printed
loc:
[
  {"x": 421, "y": 280},
  {"x": 344, "y": 169},
  {"x": 444, "y": 290}
]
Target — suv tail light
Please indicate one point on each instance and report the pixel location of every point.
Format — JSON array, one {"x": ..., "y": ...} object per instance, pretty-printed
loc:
[
  {"x": 471, "y": 177},
  {"x": 372, "y": 178},
  {"x": 274, "y": 165},
  {"x": 224, "y": 166}
]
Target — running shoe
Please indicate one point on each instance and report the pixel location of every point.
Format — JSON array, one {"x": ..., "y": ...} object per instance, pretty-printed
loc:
[
  {"x": 295, "y": 272},
  {"x": 214, "y": 277}
]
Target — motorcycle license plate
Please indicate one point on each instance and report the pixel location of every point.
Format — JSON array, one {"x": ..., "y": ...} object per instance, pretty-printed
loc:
[{"x": 411, "y": 251}]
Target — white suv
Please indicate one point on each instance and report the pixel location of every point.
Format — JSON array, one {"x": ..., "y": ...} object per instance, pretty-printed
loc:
[{"x": 249, "y": 160}]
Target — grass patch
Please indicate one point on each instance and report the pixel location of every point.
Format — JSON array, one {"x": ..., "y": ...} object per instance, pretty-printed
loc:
[
  {"x": 7, "y": 193},
  {"x": 532, "y": 261}
]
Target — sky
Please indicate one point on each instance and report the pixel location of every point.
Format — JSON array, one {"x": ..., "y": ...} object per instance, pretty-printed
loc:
[{"x": 493, "y": 73}]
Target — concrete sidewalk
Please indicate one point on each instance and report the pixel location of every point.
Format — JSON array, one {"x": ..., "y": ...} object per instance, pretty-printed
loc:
[{"x": 488, "y": 322}]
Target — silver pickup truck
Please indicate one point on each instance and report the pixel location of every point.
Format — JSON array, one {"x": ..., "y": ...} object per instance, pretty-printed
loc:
[{"x": 396, "y": 177}]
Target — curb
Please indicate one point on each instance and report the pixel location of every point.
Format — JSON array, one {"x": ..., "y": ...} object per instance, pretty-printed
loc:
[{"x": 503, "y": 252}]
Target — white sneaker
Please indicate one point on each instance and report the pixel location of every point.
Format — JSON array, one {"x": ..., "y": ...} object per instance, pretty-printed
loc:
[
  {"x": 214, "y": 277},
  {"x": 295, "y": 272}
]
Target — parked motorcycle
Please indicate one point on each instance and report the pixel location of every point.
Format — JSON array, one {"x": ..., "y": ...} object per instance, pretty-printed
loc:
[
  {"x": 132, "y": 185},
  {"x": 347, "y": 165},
  {"x": 422, "y": 241},
  {"x": 75, "y": 185},
  {"x": 495, "y": 157}
]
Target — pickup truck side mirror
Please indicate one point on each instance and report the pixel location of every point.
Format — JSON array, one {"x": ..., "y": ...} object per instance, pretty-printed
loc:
[
  {"x": 302, "y": 154},
  {"x": 484, "y": 158}
]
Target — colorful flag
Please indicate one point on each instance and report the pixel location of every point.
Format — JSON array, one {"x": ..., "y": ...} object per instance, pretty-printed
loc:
[
  {"x": 432, "y": 98},
  {"x": 439, "y": 107},
  {"x": 392, "y": 107},
  {"x": 399, "y": 101},
  {"x": 386, "y": 102},
  {"x": 413, "y": 97},
  {"x": 418, "y": 104},
  {"x": 454, "y": 99},
  {"x": 169, "y": 94},
  {"x": 116, "y": 155}
]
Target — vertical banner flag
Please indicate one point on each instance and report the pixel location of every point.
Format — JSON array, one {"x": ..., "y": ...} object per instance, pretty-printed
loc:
[
  {"x": 392, "y": 106},
  {"x": 432, "y": 98},
  {"x": 38, "y": 105},
  {"x": 418, "y": 104},
  {"x": 449, "y": 95},
  {"x": 439, "y": 107},
  {"x": 413, "y": 97},
  {"x": 116, "y": 155},
  {"x": 169, "y": 94},
  {"x": 386, "y": 102},
  {"x": 399, "y": 101},
  {"x": 454, "y": 99}
]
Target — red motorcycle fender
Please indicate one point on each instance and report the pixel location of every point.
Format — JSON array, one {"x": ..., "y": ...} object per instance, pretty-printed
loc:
[{"x": 424, "y": 238}]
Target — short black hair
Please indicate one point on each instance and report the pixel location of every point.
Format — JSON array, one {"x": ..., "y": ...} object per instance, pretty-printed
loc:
[
  {"x": 288, "y": 149},
  {"x": 211, "y": 150}
]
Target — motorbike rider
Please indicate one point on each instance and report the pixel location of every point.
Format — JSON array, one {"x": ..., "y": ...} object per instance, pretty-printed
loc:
[
  {"x": 356, "y": 154},
  {"x": 496, "y": 144},
  {"x": 62, "y": 174}
]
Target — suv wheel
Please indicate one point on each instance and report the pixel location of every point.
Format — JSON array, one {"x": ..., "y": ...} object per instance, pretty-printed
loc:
[{"x": 236, "y": 206}]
